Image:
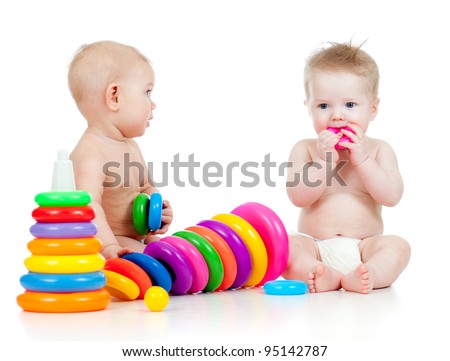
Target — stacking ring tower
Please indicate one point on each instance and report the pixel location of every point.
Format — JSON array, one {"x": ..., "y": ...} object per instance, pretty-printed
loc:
[{"x": 65, "y": 267}]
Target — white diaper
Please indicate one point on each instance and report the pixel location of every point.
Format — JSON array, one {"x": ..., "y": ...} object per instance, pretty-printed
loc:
[{"x": 341, "y": 253}]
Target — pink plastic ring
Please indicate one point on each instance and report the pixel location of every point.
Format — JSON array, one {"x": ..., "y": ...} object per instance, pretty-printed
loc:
[
  {"x": 273, "y": 233},
  {"x": 344, "y": 137},
  {"x": 180, "y": 269},
  {"x": 198, "y": 264}
]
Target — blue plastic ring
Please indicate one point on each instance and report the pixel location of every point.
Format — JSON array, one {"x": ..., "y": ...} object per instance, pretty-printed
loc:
[
  {"x": 54, "y": 282},
  {"x": 159, "y": 275},
  {"x": 63, "y": 230},
  {"x": 285, "y": 287},
  {"x": 155, "y": 211}
]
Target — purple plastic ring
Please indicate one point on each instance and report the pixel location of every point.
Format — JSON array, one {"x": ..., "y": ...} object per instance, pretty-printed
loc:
[
  {"x": 64, "y": 230},
  {"x": 237, "y": 245},
  {"x": 179, "y": 267},
  {"x": 195, "y": 259}
]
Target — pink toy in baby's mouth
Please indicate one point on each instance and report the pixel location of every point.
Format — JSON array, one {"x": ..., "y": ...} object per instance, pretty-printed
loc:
[{"x": 344, "y": 137}]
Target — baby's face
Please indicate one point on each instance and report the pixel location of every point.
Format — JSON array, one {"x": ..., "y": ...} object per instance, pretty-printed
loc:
[
  {"x": 337, "y": 99},
  {"x": 136, "y": 105}
]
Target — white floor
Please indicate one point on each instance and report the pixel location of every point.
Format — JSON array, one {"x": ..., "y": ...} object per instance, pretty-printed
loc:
[
  {"x": 387, "y": 324},
  {"x": 237, "y": 315}
]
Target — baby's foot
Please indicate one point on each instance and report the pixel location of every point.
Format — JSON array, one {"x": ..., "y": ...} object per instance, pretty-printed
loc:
[
  {"x": 324, "y": 278},
  {"x": 359, "y": 280}
]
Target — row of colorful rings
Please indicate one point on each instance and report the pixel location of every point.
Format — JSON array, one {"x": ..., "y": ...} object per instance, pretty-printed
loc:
[{"x": 225, "y": 252}]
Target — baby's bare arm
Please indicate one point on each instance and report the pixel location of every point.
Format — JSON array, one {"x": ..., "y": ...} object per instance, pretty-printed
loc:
[
  {"x": 381, "y": 176},
  {"x": 89, "y": 177},
  {"x": 305, "y": 181}
]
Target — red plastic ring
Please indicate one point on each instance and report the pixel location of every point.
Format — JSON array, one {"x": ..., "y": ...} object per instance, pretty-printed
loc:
[
  {"x": 63, "y": 214},
  {"x": 132, "y": 271}
]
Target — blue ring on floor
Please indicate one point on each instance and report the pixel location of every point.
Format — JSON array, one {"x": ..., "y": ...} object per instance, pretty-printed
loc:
[
  {"x": 285, "y": 287},
  {"x": 63, "y": 282},
  {"x": 155, "y": 212},
  {"x": 159, "y": 275}
]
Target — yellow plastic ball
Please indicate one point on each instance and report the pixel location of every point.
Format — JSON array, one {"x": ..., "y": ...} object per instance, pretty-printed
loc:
[{"x": 156, "y": 298}]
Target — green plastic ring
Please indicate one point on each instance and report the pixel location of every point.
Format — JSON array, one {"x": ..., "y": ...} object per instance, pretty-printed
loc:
[
  {"x": 140, "y": 213},
  {"x": 209, "y": 253},
  {"x": 63, "y": 199}
]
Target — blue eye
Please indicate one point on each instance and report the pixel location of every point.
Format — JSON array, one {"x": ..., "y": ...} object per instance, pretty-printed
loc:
[
  {"x": 323, "y": 106},
  {"x": 350, "y": 104}
]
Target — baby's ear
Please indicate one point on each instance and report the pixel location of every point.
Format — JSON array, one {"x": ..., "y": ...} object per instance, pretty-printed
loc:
[
  {"x": 375, "y": 104},
  {"x": 112, "y": 97},
  {"x": 305, "y": 102}
]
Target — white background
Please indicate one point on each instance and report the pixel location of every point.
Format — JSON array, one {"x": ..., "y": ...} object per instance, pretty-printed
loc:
[{"x": 229, "y": 88}]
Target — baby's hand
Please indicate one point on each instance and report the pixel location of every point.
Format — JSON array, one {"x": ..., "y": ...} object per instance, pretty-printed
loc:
[
  {"x": 166, "y": 218},
  {"x": 115, "y": 251},
  {"x": 325, "y": 144},
  {"x": 357, "y": 147}
]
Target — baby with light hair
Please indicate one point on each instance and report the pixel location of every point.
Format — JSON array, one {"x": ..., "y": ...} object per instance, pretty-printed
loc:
[
  {"x": 112, "y": 84},
  {"x": 341, "y": 180}
]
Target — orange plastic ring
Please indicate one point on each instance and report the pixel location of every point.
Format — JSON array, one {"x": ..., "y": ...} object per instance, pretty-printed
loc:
[
  {"x": 64, "y": 302},
  {"x": 64, "y": 246},
  {"x": 224, "y": 251},
  {"x": 132, "y": 271}
]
